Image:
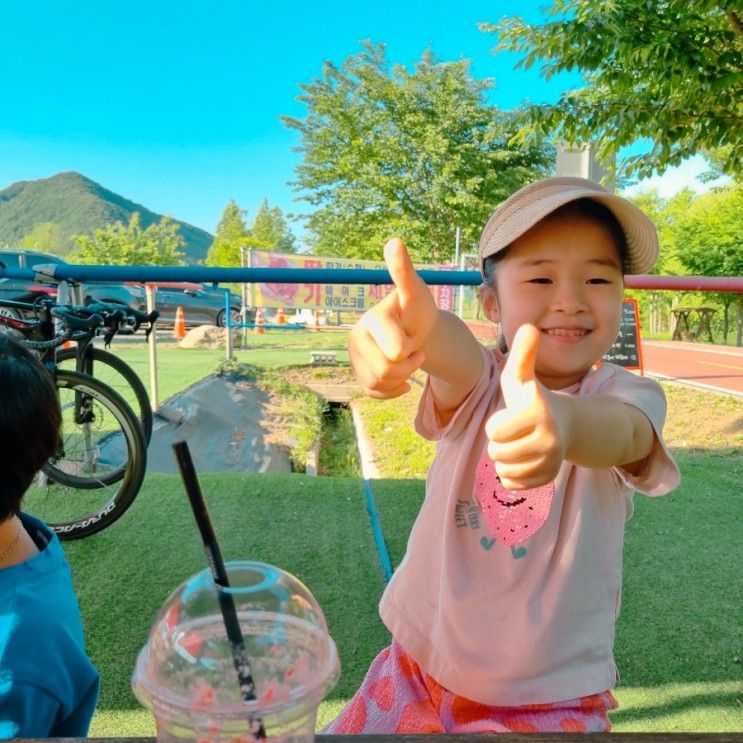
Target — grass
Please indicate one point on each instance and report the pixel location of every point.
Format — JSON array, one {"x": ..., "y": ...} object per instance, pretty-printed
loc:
[
  {"x": 308, "y": 526},
  {"x": 338, "y": 452},
  {"x": 678, "y": 639}
]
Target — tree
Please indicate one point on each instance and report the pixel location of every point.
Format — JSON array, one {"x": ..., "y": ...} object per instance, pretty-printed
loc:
[
  {"x": 655, "y": 306},
  {"x": 271, "y": 231},
  {"x": 670, "y": 71},
  {"x": 46, "y": 237},
  {"x": 415, "y": 153},
  {"x": 129, "y": 245},
  {"x": 232, "y": 234},
  {"x": 709, "y": 239}
]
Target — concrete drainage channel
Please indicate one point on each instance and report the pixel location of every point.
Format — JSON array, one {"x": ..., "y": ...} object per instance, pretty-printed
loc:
[{"x": 367, "y": 465}]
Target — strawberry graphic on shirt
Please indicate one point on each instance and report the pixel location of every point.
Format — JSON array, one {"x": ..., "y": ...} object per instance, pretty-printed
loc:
[{"x": 512, "y": 516}]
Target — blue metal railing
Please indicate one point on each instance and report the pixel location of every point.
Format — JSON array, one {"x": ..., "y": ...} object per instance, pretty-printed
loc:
[{"x": 218, "y": 274}]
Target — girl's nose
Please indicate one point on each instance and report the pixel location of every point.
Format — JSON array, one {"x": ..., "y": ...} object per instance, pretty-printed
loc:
[{"x": 570, "y": 298}]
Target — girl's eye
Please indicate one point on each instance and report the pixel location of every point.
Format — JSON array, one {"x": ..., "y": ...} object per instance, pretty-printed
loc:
[
  {"x": 599, "y": 281},
  {"x": 539, "y": 281}
]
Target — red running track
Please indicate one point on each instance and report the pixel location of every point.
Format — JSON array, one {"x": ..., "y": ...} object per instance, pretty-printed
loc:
[{"x": 719, "y": 368}]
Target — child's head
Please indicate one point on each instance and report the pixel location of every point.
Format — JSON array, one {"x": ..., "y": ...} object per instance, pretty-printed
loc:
[
  {"x": 29, "y": 422},
  {"x": 554, "y": 255}
]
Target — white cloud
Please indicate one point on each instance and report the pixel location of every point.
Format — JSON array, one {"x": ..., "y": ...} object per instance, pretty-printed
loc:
[{"x": 677, "y": 178}]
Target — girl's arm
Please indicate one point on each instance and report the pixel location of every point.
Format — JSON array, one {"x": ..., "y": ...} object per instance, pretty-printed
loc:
[
  {"x": 538, "y": 429},
  {"x": 405, "y": 332},
  {"x": 603, "y": 431}
]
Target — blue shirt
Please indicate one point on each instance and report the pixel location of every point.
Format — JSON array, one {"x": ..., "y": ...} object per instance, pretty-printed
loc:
[{"x": 48, "y": 685}]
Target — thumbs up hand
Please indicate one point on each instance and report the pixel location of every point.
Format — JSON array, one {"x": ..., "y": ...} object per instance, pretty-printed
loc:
[
  {"x": 525, "y": 440},
  {"x": 386, "y": 345}
]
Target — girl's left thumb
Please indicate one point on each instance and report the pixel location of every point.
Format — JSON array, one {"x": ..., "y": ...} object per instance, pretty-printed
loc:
[{"x": 520, "y": 364}]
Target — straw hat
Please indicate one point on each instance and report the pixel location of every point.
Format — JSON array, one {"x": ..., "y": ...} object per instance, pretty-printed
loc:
[{"x": 526, "y": 207}]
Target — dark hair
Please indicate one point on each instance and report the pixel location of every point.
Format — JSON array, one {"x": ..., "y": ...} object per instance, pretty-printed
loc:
[
  {"x": 29, "y": 422},
  {"x": 587, "y": 209}
]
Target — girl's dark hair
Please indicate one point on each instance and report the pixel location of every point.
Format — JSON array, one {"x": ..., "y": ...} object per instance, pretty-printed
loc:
[
  {"x": 587, "y": 209},
  {"x": 29, "y": 422}
]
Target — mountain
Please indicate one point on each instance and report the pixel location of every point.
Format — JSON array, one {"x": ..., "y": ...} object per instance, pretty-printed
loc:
[{"x": 71, "y": 204}]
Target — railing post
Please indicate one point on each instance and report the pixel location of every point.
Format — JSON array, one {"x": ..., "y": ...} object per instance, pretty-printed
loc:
[
  {"x": 228, "y": 324},
  {"x": 152, "y": 347}
]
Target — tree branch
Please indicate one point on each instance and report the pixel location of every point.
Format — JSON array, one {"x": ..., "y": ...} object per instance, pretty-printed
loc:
[{"x": 735, "y": 22}]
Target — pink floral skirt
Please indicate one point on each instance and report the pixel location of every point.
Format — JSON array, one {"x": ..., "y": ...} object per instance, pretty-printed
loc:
[{"x": 397, "y": 696}]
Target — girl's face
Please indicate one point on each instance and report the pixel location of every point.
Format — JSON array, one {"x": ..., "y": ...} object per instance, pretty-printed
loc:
[{"x": 565, "y": 277}]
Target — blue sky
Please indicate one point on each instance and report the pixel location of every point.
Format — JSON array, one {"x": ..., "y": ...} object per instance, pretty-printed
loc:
[{"x": 176, "y": 105}]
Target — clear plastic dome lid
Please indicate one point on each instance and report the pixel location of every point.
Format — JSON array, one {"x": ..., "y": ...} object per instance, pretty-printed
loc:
[{"x": 188, "y": 663}]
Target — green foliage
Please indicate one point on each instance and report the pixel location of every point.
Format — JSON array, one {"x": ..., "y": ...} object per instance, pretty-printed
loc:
[
  {"x": 709, "y": 233},
  {"x": 296, "y": 415},
  {"x": 700, "y": 235},
  {"x": 338, "y": 456},
  {"x": 709, "y": 240},
  {"x": 271, "y": 231},
  {"x": 415, "y": 153},
  {"x": 130, "y": 245},
  {"x": 76, "y": 206},
  {"x": 232, "y": 234},
  {"x": 671, "y": 72},
  {"x": 46, "y": 236}
]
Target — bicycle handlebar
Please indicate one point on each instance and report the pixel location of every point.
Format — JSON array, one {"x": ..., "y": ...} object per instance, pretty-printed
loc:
[{"x": 70, "y": 317}]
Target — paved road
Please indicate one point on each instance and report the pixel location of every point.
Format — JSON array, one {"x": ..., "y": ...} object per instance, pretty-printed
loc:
[{"x": 719, "y": 368}]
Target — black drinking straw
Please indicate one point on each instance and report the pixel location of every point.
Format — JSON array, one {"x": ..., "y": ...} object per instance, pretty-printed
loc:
[{"x": 219, "y": 574}]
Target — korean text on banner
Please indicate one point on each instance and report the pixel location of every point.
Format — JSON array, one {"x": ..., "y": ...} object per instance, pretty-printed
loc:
[{"x": 341, "y": 297}]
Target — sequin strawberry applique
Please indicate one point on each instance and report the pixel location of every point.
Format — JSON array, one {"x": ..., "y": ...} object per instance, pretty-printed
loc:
[{"x": 512, "y": 516}]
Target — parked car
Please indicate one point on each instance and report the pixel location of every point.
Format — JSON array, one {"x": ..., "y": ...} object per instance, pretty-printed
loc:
[
  {"x": 24, "y": 290},
  {"x": 201, "y": 304}
]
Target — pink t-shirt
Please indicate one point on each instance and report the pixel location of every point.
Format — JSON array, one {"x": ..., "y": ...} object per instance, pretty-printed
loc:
[{"x": 528, "y": 621}]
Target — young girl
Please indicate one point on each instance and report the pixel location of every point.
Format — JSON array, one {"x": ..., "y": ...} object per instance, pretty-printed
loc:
[
  {"x": 48, "y": 686},
  {"x": 502, "y": 612}
]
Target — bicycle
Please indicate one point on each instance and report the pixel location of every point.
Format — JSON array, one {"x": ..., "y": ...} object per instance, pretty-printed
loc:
[
  {"x": 100, "y": 463},
  {"x": 100, "y": 363},
  {"x": 109, "y": 368}
]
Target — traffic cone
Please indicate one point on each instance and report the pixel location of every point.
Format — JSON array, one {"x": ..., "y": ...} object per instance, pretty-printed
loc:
[
  {"x": 179, "y": 328},
  {"x": 258, "y": 329},
  {"x": 280, "y": 317}
]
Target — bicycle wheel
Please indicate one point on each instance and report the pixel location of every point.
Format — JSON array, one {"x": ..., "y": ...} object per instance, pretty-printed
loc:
[
  {"x": 100, "y": 465},
  {"x": 118, "y": 375}
]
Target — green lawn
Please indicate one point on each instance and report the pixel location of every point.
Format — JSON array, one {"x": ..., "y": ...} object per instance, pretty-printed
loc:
[
  {"x": 679, "y": 638},
  {"x": 315, "y": 528}
]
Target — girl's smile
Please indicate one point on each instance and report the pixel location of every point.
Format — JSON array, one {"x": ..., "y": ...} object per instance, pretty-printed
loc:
[{"x": 565, "y": 277}]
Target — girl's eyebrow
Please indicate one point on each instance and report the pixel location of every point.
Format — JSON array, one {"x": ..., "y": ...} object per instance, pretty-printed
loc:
[{"x": 529, "y": 262}]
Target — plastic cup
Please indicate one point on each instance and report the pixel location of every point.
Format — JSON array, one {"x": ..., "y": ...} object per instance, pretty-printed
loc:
[{"x": 185, "y": 673}]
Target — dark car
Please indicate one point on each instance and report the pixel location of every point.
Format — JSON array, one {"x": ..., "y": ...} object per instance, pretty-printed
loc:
[
  {"x": 202, "y": 304},
  {"x": 24, "y": 290}
]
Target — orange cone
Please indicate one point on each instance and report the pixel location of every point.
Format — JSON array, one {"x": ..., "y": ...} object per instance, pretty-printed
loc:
[
  {"x": 179, "y": 328},
  {"x": 280, "y": 317},
  {"x": 258, "y": 329}
]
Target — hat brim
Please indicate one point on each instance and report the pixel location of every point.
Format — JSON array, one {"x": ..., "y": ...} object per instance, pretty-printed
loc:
[{"x": 533, "y": 203}]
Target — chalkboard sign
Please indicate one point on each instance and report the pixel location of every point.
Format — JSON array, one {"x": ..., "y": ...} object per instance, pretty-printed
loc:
[{"x": 626, "y": 350}]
